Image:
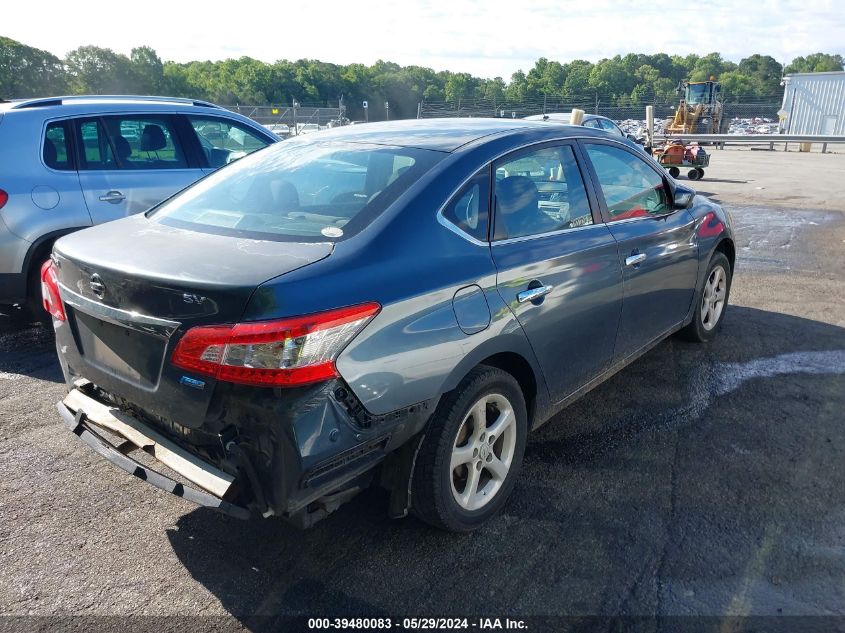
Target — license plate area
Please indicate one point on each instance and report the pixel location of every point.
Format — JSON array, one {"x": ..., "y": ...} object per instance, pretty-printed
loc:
[{"x": 131, "y": 355}]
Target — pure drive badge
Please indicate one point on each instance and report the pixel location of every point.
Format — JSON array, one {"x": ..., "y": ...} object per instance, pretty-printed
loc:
[{"x": 192, "y": 382}]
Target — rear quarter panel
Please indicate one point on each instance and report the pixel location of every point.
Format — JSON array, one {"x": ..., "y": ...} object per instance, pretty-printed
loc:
[{"x": 42, "y": 201}]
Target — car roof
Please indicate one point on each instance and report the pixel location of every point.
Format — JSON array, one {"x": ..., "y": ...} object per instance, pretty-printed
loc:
[
  {"x": 74, "y": 104},
  {"x": 445, "y": 135},
  {"x": 562, "y": 117}
]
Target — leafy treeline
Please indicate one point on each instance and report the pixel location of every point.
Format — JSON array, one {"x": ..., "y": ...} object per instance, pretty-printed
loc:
[{"x": 621, "y": 80}]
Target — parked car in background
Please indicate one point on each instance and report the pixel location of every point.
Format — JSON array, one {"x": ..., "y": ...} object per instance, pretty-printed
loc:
[
  {"x": 71, "y": 162},
  {"x": 395, "y": 303},
  {"x": 594, "y": 121},
  {"x": 282, "y": 130}
]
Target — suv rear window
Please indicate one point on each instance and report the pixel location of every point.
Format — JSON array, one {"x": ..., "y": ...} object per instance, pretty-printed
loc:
[
  {"x": 56, "y": 153},
  {"x": 303, "y": 191}
]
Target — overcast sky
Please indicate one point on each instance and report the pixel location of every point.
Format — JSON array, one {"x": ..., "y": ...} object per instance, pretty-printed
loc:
[{"x": 487, "y": 38}]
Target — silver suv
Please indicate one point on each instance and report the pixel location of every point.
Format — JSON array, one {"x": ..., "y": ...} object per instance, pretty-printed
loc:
[{"x": 67, "y": 163}]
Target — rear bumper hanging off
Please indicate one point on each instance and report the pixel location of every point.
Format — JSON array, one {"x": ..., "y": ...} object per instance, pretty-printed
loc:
[{"x": 84, "y": 415}]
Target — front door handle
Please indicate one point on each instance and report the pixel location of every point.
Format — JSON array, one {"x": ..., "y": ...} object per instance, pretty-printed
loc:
[
  {"x": 113, "y": 196},
  {"x": 532, "y": 294},
  {"x": 633, "y": 260}
]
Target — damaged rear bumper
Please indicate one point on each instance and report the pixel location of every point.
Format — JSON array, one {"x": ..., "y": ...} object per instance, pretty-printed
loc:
[
  {"x": 86, "y": 418},
  {"x": 297, "y": 457}
]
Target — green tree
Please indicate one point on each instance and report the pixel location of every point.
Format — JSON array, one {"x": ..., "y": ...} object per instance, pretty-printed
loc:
[
  {"x": 816, "y": 63},
  {"x": 147, "y": 70},
  {"x": 764, "y": 71},
  {"x": 94, "y": 70},
  {"x": 29, "y": 72}
]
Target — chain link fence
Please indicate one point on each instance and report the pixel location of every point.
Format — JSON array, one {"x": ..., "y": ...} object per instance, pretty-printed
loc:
[
  {"x": 287, "y": 114},
  {"x": 520, "y": 109}
]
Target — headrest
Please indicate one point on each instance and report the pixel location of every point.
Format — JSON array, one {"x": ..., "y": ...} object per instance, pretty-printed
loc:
[
  {"x": 152, "y": 138},
  {"x": 122, "y": 147},
  {"x": 516, "y": 193}
]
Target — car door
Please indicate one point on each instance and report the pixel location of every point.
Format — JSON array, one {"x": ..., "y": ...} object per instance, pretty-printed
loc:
[
  {"x": 557, "y": 264},
  {"x": 130, "y": 162},
  {"x": 658, "y": 250}
]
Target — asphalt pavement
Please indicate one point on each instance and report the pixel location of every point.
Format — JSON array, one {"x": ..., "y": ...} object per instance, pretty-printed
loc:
[{"x": 701, "y": 480}]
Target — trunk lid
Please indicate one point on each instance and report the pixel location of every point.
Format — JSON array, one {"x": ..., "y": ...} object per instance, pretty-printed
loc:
[{"x": 132, "y": 288}]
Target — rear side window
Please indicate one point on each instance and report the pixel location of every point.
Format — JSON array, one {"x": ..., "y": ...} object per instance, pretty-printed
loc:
[
  {"x": 469, "y": 209},
  {"x": 224, "y": 141},
  {"x": 299, "y": 191},
  {"x": 145, "y": 142},
  {"x": 96, "y": 150},
  {"x": 540, "y": 191},
  {"x": 56, "y": 151}
]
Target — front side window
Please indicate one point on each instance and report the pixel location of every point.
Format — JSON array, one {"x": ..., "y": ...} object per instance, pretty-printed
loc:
[
  {"x": 630, "y": 187},
  {"x": 538, "y": 192},
  {"x": 469, "y": 209},
  {"x": 224, "y": 141},
  {"x": 56, "y": 147},
  {"x": 299, "y": 190}
]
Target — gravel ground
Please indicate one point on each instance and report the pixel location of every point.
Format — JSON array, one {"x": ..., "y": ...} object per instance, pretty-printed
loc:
[{"x": 701, "y": 480}]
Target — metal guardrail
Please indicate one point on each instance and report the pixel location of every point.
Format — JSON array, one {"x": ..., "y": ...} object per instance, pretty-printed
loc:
[
  {"x": 720, "y": 140},
  {"x": 754, "y": 138}
]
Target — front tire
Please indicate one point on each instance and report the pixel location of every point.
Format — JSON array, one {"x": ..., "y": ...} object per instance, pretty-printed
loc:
[
  {"x": 471, "y": 453},
  {"x": 711, "y": 301}
]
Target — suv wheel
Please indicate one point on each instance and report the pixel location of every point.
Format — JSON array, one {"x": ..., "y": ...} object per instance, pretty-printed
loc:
[
  {"x": 471, "y": 453},
  {"x": 34, "y": 306}
]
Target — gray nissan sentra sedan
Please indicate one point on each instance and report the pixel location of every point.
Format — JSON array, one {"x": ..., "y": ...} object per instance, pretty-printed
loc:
[{"x": 392, "y": 304}]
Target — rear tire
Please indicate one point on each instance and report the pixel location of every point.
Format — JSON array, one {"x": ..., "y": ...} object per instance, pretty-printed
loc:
[
  {"x": 674, "y": 172},
  {"x": 472, "y": 452},
  {"x": 711, "y": 301},
  {"x": 34, "y": 307}
]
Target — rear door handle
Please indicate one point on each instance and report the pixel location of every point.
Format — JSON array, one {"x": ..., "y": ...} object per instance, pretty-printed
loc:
[
  {"x": 532, "y": 294},
  {"x": 633, "y": 260},
  {"x": 113, "y": 196}
]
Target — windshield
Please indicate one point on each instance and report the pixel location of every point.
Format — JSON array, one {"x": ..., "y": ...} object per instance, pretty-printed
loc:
[
  {"x": 698, "y": 93},
  {"x": 302, "y": 191}
]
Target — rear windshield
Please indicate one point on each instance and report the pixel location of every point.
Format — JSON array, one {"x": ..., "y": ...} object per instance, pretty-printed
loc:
[{"x": 299, "y": 190}]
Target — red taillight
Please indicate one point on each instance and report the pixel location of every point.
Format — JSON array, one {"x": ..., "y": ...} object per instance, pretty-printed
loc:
[
  {"x": 4, "y": 198},
  {"x": 50, "y": 291},
  {"x": 286, "y": 352},
  {"x": 710, "y": 226}
]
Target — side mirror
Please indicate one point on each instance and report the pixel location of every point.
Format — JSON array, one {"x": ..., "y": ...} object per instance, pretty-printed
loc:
[{"x": 683, "y": 197}]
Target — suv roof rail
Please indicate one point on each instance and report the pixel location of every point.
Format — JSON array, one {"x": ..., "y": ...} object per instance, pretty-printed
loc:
[{"x": 57, "y": 101}]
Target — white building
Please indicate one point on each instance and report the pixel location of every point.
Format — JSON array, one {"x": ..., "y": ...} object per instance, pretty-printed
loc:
[{"x": 814, "y": 103}]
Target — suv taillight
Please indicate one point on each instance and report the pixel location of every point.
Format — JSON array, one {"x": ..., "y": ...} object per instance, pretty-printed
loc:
[
  {"x": 286, "y": 352},
  {"x": 50, "y": 291}
]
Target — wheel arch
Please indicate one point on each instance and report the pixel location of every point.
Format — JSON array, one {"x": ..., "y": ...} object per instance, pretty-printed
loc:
[
  {"x": 40, "y": 248},
  {"x": 726, "y": 246},
  {"x": 515, "y": 357}
]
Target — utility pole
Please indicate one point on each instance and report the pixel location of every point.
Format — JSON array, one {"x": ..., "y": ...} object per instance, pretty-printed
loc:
[
  {"x": 295, "y": 108},
  {"x": 387, "y": 110}
]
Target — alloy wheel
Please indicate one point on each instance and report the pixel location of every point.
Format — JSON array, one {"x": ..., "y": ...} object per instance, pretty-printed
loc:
[
  {"x": 483, "y": 451},
  {"x": 713, "y": 298}
]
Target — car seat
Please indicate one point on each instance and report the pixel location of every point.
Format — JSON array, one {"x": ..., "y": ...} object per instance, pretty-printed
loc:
[{"x": 518, "y": 208}]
